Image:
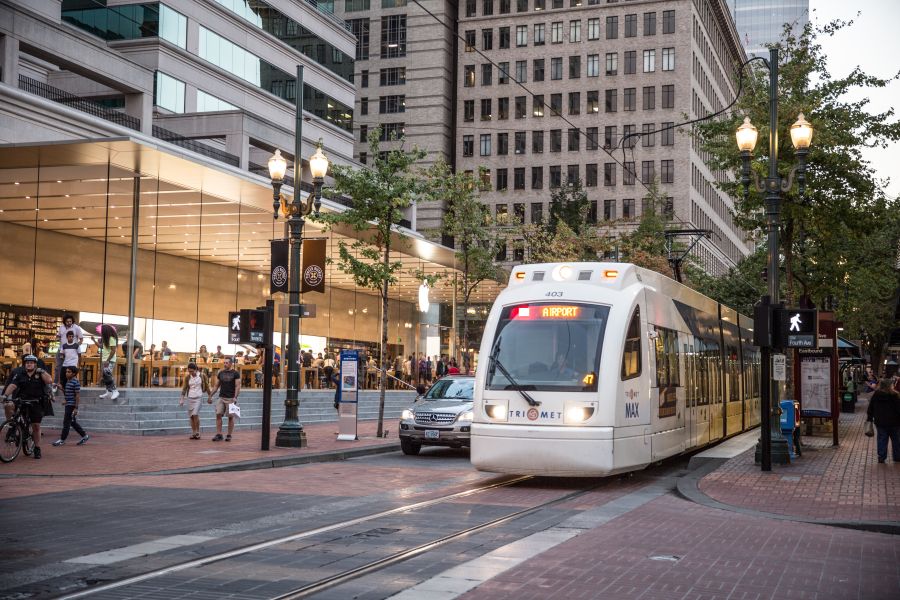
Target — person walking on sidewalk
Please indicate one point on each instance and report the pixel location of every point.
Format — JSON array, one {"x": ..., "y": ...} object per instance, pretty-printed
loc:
[
  {"x": 73, "y": 398},
  {"x": 195, "y": 385},
  {"x": 884, "y": 410},
  {"x": 228, "y": 384},
  {"x": 109, "y": 343}
]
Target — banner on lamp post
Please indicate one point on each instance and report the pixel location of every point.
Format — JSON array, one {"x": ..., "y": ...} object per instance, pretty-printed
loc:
[
  {"x": 278, "y": 274},
  {"x": 313, "y": 266}
]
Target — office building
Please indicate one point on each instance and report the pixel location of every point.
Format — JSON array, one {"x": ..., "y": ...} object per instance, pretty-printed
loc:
[
  {"x": 761, "y": 22},
  {"x": 601, "y": 82}
]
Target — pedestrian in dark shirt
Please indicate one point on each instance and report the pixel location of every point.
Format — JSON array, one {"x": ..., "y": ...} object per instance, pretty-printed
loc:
[
  {"x": 228, "y": 384},
  {"x": 73, "y": 398},
  {"x": 884, "y": 410}
]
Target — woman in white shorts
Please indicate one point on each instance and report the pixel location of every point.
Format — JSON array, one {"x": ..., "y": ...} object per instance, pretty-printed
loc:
[{"x": 195, "y": 385}]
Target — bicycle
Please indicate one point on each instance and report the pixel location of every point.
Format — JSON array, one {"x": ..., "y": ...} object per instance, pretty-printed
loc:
[{"x": 15, "y": 433}]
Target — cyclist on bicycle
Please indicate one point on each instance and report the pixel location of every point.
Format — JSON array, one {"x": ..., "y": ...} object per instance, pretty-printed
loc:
[{"x": 29, "y": 384}]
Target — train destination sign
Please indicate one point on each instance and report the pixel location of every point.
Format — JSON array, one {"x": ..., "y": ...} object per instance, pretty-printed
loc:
[{"x": 546, "y": 311}]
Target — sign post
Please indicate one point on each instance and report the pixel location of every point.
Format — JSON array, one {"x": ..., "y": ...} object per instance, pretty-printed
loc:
[
  {"x": 267, "y": 373},
  {"x": 348, "y": 402}
]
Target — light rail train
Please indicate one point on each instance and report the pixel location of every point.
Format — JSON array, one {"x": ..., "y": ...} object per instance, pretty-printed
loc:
[{"x": 591, "y": 369}]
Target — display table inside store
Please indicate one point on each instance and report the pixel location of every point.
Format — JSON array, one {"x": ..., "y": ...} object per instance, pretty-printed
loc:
[{"x": 161, "y": 373}]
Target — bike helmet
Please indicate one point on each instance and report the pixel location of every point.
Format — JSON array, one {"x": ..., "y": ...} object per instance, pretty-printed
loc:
[{"x": 29, "y": 358}]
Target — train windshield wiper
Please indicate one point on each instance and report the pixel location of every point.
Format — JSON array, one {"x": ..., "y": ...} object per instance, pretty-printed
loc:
[{"x": 496, "y": 364}]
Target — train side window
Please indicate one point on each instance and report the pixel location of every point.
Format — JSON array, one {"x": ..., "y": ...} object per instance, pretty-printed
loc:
[
  {"x": 631, "y": 359},
  {"x": 667, "y": 367}
]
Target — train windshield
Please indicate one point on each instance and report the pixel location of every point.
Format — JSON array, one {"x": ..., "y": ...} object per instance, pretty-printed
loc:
[{"x": 548, "y": 347}]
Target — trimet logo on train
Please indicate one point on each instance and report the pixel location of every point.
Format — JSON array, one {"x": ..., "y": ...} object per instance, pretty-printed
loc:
[{"x": 533, "y": 414}]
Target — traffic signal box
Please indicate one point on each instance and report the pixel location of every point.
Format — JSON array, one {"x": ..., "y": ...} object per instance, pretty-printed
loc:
[{"x": 775, "y": 326}]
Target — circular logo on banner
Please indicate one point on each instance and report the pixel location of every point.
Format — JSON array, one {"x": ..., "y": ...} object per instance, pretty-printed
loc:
[
  {"x": 532, "y": 414},
  {"x": 313, "y": 275},
  {"x": 279, "y": 276}
]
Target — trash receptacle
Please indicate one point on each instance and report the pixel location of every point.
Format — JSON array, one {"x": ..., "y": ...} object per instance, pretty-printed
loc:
[{"x": 848, "y": 402}]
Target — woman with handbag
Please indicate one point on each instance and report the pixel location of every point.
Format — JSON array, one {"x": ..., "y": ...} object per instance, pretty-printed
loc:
[{"x": 884, "y": 412}]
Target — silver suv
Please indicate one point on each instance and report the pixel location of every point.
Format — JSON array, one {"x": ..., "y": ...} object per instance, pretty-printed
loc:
[{"x": 442, "y": 417}]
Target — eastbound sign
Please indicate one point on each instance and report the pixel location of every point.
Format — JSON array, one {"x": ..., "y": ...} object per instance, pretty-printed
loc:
[{"x": 796, "y": 328}]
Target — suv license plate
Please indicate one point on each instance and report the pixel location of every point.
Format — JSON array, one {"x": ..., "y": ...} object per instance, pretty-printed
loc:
[{"x": 432, "y": 434}]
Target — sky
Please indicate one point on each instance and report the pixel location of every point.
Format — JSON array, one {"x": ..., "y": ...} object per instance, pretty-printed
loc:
[{"x": 873, "y": 44}]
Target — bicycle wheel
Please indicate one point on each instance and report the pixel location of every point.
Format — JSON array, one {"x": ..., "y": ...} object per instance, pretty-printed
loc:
[
  {"x": 28, "y": 441},
  {"x": 10, "y": 441}
]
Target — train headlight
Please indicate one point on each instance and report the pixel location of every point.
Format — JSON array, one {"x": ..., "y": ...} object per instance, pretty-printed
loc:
[
  {"x": 466, "y": 416},
  {"x": 497, "y": 412},
  {"x": 578, "y": 413},
  {"x": 408, "y": 415},
  {"x": 562, "y": 273}
]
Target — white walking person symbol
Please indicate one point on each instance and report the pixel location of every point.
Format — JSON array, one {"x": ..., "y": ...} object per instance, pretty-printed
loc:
[
  {"x": 795, "y": 323},
  {"x": 236, "y": 323}
]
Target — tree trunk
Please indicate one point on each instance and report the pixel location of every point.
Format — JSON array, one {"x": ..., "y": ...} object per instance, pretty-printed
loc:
[
  {"x": 465, "y": 335},
  {"x": 382, "y": 378},
  {"x": 788, "y": 245}
]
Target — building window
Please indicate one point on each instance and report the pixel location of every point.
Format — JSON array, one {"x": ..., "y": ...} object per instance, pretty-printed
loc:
[
  {"x": 629, "y": 99},
  {"x": 502, "y": 212},
  {"x": 469, "y": 76},
  {"x": 668, "y": 21},
  {"x": 364, "y": 158},
  {"x": 630, "y": 26},
  {"x": 521, "y": 36},
  {"x": 572, "y": 174},
  {"x": 649, "y": 97},
  {"x": 648, "y": 135},
  {"x": 593, "y": 29},
  {"x": 628, "y": 209},
  {"x": 485, "y": 109},
  {"x": 501, "y": 251},
  {"x": 574, "y": 32},
  {"x": 487, "y": 39},
  {"x": 539, "y": 4},
  {"x": 593, "y": 102},
  {"x": 522, "y": 71},
  {"x": 503, "y": 76},
  {"x": 609, "y": 174},
  {"x": 592, "y": 212},
  {"x": 468, "y": 111},
  {"x": 537, "y": 209},
  {"x": 649, "y": 61},
  {"x": 555, "y": 104},
  {"x": 650, "y": 23},
  {"x": 557, "y": 3},
  {"x": 391, "y": 104},
  {"x": 468, "y": 145},
  {"x": 609, "y": 210},
  {"x": 556, "y": 32},
  {"x": 364, "y": 79},
  {"x": 539, "y": 34},
  {"x": 502, "y": 144},
  {"x": 539, "y": 69},
  {"x": 628, "y": 173},
  {"x": 520, "y": 144},
  {"x": 648, "y": 172},
  {"x": 537, "y": 142},
  {"x": 556, "y": 68},
  {"x": 537, "y": 183},
  {"x": 538, "y": 105},
  {"x": 555, "y": 176},
  {"x": 487, "y": 8},
  {"x": 393, "y": 3},
  {"x": 591, "y": 135},
  {"x": 668, "y": 96},
  {"x": 667, "y": 134},
  {"x": 392, "y": 131},
  {"x": 521, "y": 107},
  {"x": 593, "y": 65},
  {"x": 611, "y": 101},
  {"x": 590, "y": 175},
  {"x": 504, "y": 38},
  {"x": 668, "y": 59},
  {"x": 470, "y": 8},
  {"x": 363, "y": 106},
  {"x": 393, "y": 36},
  {"x": 393, "y": 76},
  {"x": 574, "y": 103},
  {"x": 556, "y": 140},
  {"x": 630, "y": 62},
  {"x": 667, "y": 171},
  {"x": 502, "y": 179},
  {"x": 612, "y": 63},
  {"x": 502, "y": 109},
  {"x": 519, "y": 184},
  {"x": 209, "y": 103},
  {"x": 487, "y": 73},
  {"x": 521, "y": 5},
  {"x": 609, "y": 136},
  {"x": 612, "y": 28},
  {"x": 169, "y": 93},
  {"x": 485, "y": 144},
  {"x": 356, "y": 5},
  {"x": 360, "y": 28},
  {"x": 470, "y": 40},
  {"x": 574, "y": 67},
  {"x": 504, "y": 7},
  {"x": 573, "y": 140}
]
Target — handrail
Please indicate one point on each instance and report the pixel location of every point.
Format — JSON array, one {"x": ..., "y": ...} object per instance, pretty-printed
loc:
[{"x": 45, "y": 90}]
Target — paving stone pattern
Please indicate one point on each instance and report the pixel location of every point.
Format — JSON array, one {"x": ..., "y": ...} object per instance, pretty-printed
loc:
[{"x": 839, "y": 484}]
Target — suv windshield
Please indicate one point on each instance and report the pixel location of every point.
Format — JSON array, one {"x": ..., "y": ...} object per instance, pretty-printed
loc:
[
  {"x": 549, "y": 347},
  {"x": 451, "y": 388}
]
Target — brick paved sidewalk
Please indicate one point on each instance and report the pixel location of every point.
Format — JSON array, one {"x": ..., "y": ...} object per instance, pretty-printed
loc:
[
  {"x": 827, "y": 483},
  {"x": 112, "y": 454}
]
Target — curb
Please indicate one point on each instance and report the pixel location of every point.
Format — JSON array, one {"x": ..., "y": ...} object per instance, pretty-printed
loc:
[
  {"x": 246, "y": 465},
  {"x": 688, "y": 487}
]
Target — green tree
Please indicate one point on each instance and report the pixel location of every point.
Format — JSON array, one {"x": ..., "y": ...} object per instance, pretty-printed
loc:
[
  {"x": 646, "y": 245},
  {"x": 475, "y": 238},
  {"x": 380, "y": 195},
  {"x": 569, "y": 204}
]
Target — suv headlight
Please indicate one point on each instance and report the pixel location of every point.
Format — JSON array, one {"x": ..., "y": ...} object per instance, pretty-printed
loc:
[
  {"x": 408, "y": 415},
  {"x": 466, "y": 416}
]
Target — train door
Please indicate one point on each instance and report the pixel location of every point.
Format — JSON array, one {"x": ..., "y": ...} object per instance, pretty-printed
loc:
[
  {"x": 690, "y": 392},
  {"x": 701, "y": 396},
  {"x": 716, "y": 392}
]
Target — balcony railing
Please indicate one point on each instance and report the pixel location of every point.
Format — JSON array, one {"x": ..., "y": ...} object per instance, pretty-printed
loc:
[
  {"x": 39, "y": 88},
  {"x": 195, "y": 146}
]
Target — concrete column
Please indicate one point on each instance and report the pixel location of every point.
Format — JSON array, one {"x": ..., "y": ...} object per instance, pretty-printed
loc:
[
  {"x": 190, "y": 98},
  {"x": 141, "y": 106},
  {"x": 9, "y": 60},
  {"x": 239, "y": 145}
]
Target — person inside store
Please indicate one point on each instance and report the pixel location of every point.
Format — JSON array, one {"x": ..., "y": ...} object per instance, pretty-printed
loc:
[
  {"x": 203, "y": 354},
  {"x": 29, "y": 384},
  {"x": 218, "y": 353},
  {"x": 68, "y": 325}
]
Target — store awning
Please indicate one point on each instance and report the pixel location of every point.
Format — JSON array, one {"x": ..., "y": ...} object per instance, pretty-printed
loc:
[{"x": 848, "y": 350}]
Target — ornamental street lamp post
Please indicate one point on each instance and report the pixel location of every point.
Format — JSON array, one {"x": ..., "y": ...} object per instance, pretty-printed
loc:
[
  {"x": 772, "y": 445},
  {"x": 290, "y": 433}
]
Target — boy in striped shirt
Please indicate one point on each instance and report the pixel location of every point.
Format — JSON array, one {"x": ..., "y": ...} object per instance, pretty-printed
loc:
[{"x": 73, "y": 396}]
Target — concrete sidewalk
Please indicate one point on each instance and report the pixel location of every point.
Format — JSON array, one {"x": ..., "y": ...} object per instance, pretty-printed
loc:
[{"x": 117, "y": 454}]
